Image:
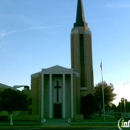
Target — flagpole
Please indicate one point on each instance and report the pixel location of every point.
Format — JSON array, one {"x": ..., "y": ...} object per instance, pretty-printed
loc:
[{"x": 102, "y": 91}]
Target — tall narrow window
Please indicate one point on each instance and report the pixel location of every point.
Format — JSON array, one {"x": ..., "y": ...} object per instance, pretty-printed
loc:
[
  {"x": 81, "y": 48},
  {"x": 81, "y": 38}
]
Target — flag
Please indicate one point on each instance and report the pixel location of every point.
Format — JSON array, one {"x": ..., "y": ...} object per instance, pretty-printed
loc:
[{"x": 101, "y": 65}]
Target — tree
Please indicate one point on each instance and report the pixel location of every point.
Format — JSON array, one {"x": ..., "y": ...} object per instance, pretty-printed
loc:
[
  {"x": 121, "y": 107},
  {"x": 88, "y": 105},
  {"x": 109, "y": 95},
  {"x": 13, "y": 100},
  {"x": 113, "y": 107}
]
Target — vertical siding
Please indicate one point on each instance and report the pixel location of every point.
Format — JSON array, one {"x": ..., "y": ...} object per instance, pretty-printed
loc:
[
  {"x": 68, "y": 95},
  {"x": 46, "y": 96},
  {"x": 35, "y": 93}
]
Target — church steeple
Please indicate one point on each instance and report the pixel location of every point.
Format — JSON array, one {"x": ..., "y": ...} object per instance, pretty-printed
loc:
[{"x": 80, "y": 19}]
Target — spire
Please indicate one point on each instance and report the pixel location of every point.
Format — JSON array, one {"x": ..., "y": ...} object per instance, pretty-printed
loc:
[{"x": 80, "y": 19}]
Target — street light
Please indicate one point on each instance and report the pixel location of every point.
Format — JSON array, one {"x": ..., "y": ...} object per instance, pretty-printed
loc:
[
  {"x": 124, "y": 97},
  {"x": 102, "y": 90}
]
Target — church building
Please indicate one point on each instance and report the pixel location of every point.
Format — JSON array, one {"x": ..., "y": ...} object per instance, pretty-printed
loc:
[{"x": 56, "y": 91}]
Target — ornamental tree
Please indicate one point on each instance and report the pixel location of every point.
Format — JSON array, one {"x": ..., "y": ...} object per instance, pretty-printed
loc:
[
  {"x": 109, "y": 94},
  {"x": 13, "y": 100},
  {"x": 88, "y": 105}
]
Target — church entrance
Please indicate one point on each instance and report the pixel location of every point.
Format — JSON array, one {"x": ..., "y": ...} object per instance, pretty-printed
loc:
[
  {"x": 57, "y": 105},
  {"x": 57, "y": 110}
]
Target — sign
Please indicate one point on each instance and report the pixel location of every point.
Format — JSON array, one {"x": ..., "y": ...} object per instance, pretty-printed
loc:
[{"x": 124, "y": 123}]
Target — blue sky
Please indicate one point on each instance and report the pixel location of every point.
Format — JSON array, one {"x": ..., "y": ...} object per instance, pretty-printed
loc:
[{"x": 35, "y": 34}]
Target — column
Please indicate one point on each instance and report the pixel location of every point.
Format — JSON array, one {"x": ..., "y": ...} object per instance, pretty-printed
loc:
[
  {"x": 50, "y": 96},
  {"x": 42, "y": 96},
  {"x": 72, "y": 97},
  {"x": 64, "y": 106}
]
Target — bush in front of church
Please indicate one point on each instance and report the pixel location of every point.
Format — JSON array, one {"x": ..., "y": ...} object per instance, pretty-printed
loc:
[{"x": 88, "y": 106}]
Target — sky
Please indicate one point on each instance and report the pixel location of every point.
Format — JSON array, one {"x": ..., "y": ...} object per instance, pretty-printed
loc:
[{"x": 35, "y": 34}]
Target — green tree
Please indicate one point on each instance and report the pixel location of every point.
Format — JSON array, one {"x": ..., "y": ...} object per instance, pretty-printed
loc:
[
  {"x": 13, "y": 100},
  {"x": 113, "y": 107},
  {"x": 88, "y": 105},
  {"x": 122, "y": 106},
  {"x": 109, "y": 95},
  {"x": 128, "y": 107}
]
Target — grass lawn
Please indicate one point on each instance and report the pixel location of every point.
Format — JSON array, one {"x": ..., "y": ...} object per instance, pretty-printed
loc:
[
  {"x": 97, "y": 122},
  {"x": 108, "y": 118},
  {"x": 96, "y": 118}
]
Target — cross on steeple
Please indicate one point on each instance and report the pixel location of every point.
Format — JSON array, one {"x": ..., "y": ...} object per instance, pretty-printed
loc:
[{"x": 80, "y": 19}]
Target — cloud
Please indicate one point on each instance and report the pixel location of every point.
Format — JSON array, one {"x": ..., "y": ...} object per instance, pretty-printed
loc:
[
  {"x": 22, "y": 19},
  {"x": 98, "y": 20},
  {"x": 66, "y": 17},
  {"x": 117, "y": 5},
  {"x": 19, "y": 18},
  {"x": 2, "y": 34},
  {"x": 4, "y": 47},
  {"x": 5, "y": 33}
]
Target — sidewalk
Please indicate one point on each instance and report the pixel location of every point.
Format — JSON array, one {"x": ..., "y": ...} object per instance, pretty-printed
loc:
[
  {"x": 56, "y": 122},
  {"x": 16, "y": 123},
  {"x": 93, "y": 123}
]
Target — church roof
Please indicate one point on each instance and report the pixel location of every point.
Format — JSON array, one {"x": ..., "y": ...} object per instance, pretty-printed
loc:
[
  {"x": 57, "y": 69},
  {"x": 80, "y": 18},
  {"x": 35, "y": 74},
  {"x": 4, "y": 86}
]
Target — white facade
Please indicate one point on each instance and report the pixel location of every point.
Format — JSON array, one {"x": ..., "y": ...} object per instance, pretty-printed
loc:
[{"x": 57, "y": 92}]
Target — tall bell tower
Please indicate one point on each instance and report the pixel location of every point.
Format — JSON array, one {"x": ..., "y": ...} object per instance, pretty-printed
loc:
[{"x": 81, "y": 54}]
